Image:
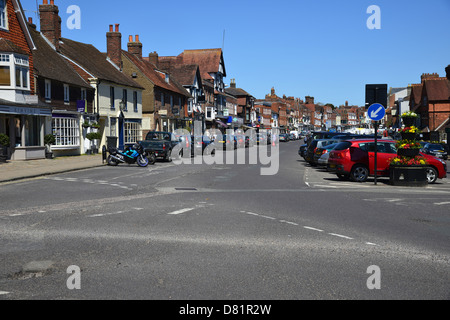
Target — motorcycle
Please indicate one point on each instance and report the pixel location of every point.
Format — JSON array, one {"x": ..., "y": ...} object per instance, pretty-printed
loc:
[{"x": 131, "y": 155}]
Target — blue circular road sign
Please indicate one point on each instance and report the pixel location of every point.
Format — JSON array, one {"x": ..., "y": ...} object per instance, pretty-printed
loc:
[{"x": 376, "y": 112}]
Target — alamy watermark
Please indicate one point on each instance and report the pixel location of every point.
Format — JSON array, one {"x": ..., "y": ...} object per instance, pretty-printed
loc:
[
  {"x": 74, "y": 280},
  {"x": 374, "y": 21},
  {"x": 74, "y": 20},
  {"x": 264, "y": 154},
  {"x": 374, "y": 281}
]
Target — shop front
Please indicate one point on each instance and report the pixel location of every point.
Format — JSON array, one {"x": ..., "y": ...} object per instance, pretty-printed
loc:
[{"x": 25, "y": 127}]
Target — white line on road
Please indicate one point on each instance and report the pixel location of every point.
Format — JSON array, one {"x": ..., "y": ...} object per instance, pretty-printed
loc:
[
  {"x": 371, "y": 244},
  {"x": 181, "y": 211},
  {"x": 314, "y": 229},
  {"x": 340, "y": 236},
  {"x": 442, "y": 203},
  {"x": 3, "y": 292}
]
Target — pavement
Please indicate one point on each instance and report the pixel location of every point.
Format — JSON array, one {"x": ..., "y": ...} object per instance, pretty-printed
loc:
[{"x": 18, "y": 170}]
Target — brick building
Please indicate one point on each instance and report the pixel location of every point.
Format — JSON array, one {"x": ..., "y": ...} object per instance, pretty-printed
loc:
[{"x": 22, "y": 116}]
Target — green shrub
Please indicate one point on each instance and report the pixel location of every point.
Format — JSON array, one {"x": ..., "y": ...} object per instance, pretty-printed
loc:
[
  {"x": 94, "y": 136},
  {"x": 4, "y": 140},
  {"x": 49, "y": 139}
]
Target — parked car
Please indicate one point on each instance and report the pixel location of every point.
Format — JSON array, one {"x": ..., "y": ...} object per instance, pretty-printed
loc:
[
  {"x": 317, "y": 144},
  {"x": 321, "y": 155},
  {"x": 226, "y": 142},
  {"x": 283, "y": 137},
  {"x": 435, "y": 149},
  {"x": 292, "y": 136},
  {"x": 302, "y": 150},
  {"x": 200, "y": 143},
  {"x": 354, "y": 159},
  {"x": 324, "y": 135},
  {"x": 160, "y": 143}
]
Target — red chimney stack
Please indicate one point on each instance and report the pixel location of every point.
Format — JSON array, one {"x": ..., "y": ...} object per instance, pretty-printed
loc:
[
  {"x": 135, "y": 47},
  {"x": 50, "y": 22},
  {"x": 114, "y": 45}
]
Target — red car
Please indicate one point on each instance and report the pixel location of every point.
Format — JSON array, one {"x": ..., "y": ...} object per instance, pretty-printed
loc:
[{"x": 354, "y": 159}]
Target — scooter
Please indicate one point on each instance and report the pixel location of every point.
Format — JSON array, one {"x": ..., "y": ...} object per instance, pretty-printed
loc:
[{"x": 131, "y": 155}]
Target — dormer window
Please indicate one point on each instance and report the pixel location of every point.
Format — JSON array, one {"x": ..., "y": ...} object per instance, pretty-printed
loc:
[{"x": 167, "y": 78}]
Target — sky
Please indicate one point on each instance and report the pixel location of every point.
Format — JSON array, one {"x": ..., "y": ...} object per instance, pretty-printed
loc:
[{"x": 319, "y": 48}]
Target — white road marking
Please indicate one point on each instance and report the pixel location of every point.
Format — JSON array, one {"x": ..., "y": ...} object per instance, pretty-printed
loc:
[
  {"x": 181, "y": 211},
  {"x": 442, "y": 203},
  {"x": 340, "y": 236},
  {"x": 3, "y": 292},
  {"x": 288, "y": 222},
  {"x": 267, "y": 217},
  {"x": 371, "y": 244},
  {"x": 314, "y": 229}
]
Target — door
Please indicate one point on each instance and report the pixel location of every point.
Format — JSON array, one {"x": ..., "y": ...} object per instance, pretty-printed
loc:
[
  {"x": 121, "y": 134},
  {"x": 385, "y": 152}
]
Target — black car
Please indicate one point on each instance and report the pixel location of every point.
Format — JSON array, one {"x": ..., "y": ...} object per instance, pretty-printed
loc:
[
  {"x": 318, "y": 143},
  {"x": 302, "y": 150},
  {"x": 435, "y": 149}
]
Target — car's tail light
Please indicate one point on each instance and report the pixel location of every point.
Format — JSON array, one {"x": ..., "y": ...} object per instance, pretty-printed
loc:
[{"x": 164, "y": 147}]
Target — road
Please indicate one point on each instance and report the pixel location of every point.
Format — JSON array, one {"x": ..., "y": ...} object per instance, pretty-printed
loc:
[{"x": 222, "y": 231}]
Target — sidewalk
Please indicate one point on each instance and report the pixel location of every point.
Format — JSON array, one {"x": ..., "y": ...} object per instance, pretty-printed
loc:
[{"x": 16, "y": 170}]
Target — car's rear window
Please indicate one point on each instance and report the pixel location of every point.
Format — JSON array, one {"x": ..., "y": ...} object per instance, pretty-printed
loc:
[
  {"x": 342, "y": 145},
  {"x": 435, "y": 147}
]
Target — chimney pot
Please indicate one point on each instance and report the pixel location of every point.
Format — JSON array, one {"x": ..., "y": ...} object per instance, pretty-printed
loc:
[
  {"x": 117, "y": 27},
  {"x": 137, "y": 38},
  {"x": 30, "y": 20},
  {"x": 130, "y": 39},
  {"x": 110, "y": 28},
  {"x": 45, "y": 1},
  {"x": 52, "y": 2}
]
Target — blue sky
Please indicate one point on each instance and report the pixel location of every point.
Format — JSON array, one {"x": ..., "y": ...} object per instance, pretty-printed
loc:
[{"x": 320, "y": 48}]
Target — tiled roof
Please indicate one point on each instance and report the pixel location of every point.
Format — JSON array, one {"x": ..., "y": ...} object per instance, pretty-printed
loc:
[
  {"x": 237, "y": 92},
  {"x": 437, "y": 89},
  {"x": 9, "y": 46},
  {"x": 207, "y": 59},
  {"x": 49, "y": 64},
  {"x": 95, "y": 62},
  {"x": 155, "y": 76},
  {"x": 184, "y": 74}
]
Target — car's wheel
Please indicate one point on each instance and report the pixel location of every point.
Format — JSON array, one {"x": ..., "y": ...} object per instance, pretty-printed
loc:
[
  {"x": 359, "y": 173},
  {"x": 169, "y": 156},
  {"x": 432, "y": 175}
]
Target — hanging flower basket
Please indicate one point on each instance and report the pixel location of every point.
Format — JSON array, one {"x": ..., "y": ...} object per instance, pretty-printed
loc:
[{"x": 408, "y": 135}]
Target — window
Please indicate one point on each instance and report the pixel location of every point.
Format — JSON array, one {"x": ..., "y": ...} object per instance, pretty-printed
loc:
[
  {"x": 66, "y": 93},
  {"x": 135, "y": 101},
  {"x": 112, "y": 98},
  {"x": 14, "y": 71},
  {"x": 48, "y": 90},
  {"x": 3, "y": 14},
  {"x": 125, "y": 99},
  {"x": 66, "y": 131},
  {"x": 133, "y": 132}
]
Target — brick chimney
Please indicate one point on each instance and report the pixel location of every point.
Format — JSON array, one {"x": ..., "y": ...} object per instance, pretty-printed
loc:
[
  {"x": 427, "y": 76},
  {"x": 114, "y": 45},
  {"x": 309, "y": 100},
  {"x": 233, "y": 83},
  {"x": 50, "y": 22},
  {"x": 153, "y": 58},
  {"x": 135, "y": 47},
  {"x": 447, "y": 70}
]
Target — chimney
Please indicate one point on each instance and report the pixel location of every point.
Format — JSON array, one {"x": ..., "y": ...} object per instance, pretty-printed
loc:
[
  {"x": 426, "y": 76},
  {"x": 114, "y": 45},
  {"x": 447, "y": 71},
  {"x": 233, "y": 83},
  {"x": 346, "y": 103},
  {"x": 50, "y": 22},
  {"x": 135, "y": 47},
  {"x": 153, "y": 58}
]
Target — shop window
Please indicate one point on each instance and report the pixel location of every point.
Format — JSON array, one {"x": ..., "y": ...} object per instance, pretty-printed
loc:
[
  {"x": 133, "y": 132},
  {"x": 66, "y": 131}
]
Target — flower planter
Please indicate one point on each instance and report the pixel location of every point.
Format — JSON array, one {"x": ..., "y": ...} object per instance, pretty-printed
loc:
[
  {"x": 408, "y": 176},
  {"x": 408, "y": 136},
  {"x": 409, "y": 121},
  {"x": 408, "y": 152}
]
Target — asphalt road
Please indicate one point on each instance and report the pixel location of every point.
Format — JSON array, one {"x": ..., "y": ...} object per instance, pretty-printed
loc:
[{"x": 222, "y": 231}]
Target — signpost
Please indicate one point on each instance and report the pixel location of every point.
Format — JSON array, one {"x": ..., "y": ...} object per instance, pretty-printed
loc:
[{"x": 376, "y": 112}]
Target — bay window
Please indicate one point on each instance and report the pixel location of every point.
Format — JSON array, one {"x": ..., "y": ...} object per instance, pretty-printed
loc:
[{"x": 14, "y": 71}]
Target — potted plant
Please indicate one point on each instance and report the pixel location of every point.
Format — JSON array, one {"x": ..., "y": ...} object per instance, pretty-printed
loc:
[
  {"x": 95, "y": 125},
  {"x": 408, "y": 148},
  {"x": 409, "y": 118},
  {"x": 86, "y": 124},
  {"x": 49, "y": 140},
  {"x": 4, "y": 145},
  {"x": 408, "y": 171},
  {"x": 409, "y": 133}
]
